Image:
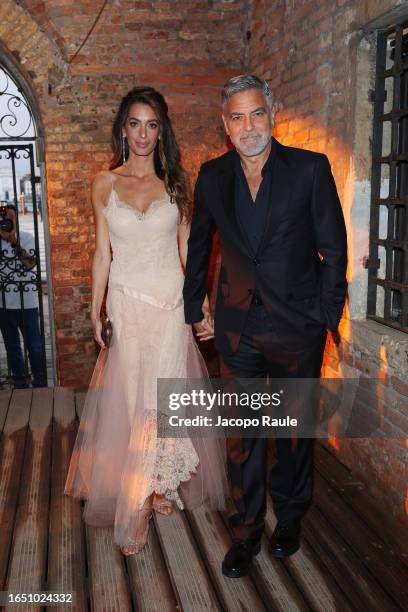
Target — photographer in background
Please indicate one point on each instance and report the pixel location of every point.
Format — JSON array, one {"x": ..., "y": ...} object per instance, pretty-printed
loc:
[{"x": 19, "y": 301}]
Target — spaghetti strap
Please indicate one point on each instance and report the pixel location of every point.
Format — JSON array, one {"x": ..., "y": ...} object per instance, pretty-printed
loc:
[{"x": 112, "y": 191}]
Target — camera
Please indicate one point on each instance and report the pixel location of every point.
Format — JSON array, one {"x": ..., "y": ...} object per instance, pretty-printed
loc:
[{"x": 6, "y": 225}]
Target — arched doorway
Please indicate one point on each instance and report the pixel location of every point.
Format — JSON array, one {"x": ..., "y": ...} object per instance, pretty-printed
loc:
[{"x": 26, "y": 346}]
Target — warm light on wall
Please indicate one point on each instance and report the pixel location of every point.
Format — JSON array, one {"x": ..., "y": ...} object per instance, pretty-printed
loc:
[{"x": 307, "y": 133}]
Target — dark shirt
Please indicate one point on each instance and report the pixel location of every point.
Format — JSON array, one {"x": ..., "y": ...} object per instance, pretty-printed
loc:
[{"x": 252, "y": 215}]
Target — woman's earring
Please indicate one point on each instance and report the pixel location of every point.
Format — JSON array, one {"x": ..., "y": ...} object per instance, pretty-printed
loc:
[{"x": 124, "y": 148}]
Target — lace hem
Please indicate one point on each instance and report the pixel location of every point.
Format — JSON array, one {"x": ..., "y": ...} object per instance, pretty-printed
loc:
[{"x": 176, "y": 462}]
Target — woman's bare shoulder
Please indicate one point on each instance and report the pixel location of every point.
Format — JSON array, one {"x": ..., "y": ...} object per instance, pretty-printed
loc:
[
  {"x": 102, "y": 185},
  {"x": 103, "y": 179},
  {"x": 101, "y": 189}
]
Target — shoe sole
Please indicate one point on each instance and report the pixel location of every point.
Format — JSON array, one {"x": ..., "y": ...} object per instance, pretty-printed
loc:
[
  {"x": 242, "y": 573},
  {"x": 284, "y": 553}
]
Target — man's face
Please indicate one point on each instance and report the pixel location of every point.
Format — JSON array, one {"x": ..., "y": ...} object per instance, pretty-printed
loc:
[{"x": 248, "y": 122}]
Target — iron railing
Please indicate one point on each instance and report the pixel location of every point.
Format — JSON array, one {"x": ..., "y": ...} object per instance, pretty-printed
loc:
[{"x": 387, "y": 300}]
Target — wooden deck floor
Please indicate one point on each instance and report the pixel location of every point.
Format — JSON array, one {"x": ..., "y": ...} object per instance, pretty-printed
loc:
[{"x": 351, "y": 557}]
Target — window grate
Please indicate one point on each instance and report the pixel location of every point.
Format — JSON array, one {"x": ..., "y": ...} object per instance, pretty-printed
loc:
[{"x": 387, "y": 300}]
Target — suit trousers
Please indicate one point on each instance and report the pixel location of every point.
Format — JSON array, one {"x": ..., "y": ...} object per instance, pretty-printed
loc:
[{"x": 290, "y": 481}]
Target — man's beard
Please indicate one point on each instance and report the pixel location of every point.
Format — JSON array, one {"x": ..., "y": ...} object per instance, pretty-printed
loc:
[{"x": 252, "y": 146}]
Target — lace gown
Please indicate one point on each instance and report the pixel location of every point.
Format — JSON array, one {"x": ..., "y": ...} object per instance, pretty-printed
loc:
[{"x": 118, "y": 460}]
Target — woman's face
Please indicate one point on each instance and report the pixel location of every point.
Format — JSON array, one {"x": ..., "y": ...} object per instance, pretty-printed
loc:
[{"x": 141, "y": 129}]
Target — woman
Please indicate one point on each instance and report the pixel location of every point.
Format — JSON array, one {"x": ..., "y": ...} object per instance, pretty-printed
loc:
[{"x": 142, "y": 213}]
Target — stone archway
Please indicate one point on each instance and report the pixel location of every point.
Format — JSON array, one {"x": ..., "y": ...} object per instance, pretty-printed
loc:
[
  {"x": 26, "y": 310},
  {"x": 33, "y": 57}
]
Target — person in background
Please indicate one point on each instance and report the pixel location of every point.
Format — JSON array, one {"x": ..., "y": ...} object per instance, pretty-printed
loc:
[{"x": 19, "y": 311}]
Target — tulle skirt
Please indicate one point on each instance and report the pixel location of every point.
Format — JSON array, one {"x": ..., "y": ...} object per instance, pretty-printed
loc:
[{"x": 118, "y": 461}]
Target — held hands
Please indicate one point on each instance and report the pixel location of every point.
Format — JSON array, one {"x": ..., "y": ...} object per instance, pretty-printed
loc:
[{"x": 205, "y": 328}]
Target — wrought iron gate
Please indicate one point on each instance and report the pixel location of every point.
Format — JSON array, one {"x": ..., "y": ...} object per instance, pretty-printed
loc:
[{"x": 21, "y": 296}]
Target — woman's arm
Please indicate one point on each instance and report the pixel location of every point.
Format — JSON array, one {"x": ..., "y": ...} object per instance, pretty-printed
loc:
[
  {"x": 102, "y": 255},
  {"x": 182, "y": 237}
]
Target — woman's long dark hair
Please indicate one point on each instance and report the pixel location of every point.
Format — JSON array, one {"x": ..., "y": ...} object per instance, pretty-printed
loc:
[{"x": 167, "y": 164}]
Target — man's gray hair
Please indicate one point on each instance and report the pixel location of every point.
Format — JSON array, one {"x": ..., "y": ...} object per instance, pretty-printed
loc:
[{"x": 243, "y": 82}]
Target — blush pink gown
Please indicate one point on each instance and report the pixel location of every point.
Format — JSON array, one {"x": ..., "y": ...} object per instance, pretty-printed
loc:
[{"x": 118, "y": 460}]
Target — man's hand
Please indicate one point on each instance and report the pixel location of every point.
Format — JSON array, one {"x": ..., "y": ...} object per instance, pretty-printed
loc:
[{"x": 205, "y": 328}]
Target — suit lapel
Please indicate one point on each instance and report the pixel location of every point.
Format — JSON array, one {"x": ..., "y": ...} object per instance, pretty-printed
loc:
[
  {"x": 280, "y": 193},
  {"x": 227, "y": 187}
]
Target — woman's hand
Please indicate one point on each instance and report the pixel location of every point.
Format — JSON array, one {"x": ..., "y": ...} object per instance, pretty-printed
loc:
[
  {"x": 205, "y": 328},
  {"x": 97, "y": 329}
]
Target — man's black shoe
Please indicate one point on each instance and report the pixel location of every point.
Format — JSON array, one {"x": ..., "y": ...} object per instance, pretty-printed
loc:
[
  {"x": 238, "y": 560},
  {"x": 285, "y": 539}
]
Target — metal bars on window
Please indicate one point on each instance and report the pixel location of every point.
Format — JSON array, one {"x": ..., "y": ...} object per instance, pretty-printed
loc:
[{"x": 387, "y": 300}]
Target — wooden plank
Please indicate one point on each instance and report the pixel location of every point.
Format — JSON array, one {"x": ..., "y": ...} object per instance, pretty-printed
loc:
[
  {"x": 359, "y": 586},
  {"x": 213, "y": 540},
  {"x": 276, "y": 588},
  {"x": 64, "y": 406},
  {"x": 19, "y": 411},
  {"x": 27, "y": 569},
  {"x": 79, "y": 403},
  {"x": 149, "y": 581},
  {"x": 11, "y": 453},
  {"x": 317, "y": 586},
  {"x": 5, "y": 397},
  {"x": 356, "y": 495},
  {"x": 108, "y": 581},
  {"x": 190, "y": 580},
  {"x": 367, "y": 545},
  {"x": 66, "y": 558}
]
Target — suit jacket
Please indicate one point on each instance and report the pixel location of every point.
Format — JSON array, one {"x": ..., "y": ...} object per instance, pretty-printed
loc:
[{"x": 300, "y": 266}]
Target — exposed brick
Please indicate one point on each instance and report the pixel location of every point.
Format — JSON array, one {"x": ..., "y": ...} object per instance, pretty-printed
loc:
[{"x": 185, "y": 49}]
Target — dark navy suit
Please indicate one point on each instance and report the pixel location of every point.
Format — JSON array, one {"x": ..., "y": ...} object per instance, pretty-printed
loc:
[{"x": 296, "y": 269}]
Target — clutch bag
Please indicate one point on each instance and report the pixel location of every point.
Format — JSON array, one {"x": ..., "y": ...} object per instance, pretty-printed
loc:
[{"x": 107, "y": 330}]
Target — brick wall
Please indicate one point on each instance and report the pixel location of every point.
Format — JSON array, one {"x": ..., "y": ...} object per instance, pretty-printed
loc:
[
  {"x": 186, "y": 49},
  {"x": 308, "y": 53}
]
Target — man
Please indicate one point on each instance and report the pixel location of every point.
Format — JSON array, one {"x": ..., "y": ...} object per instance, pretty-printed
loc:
[
  {"x": 19, "y": 301},
  {"x": 282, "y": 284}
]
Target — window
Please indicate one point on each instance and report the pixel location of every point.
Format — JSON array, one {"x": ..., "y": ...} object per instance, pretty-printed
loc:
[{"x": 388, "y": 255}]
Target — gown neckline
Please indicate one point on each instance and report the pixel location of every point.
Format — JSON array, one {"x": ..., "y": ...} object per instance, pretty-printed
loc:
[{"x": 134, "y": 209}]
